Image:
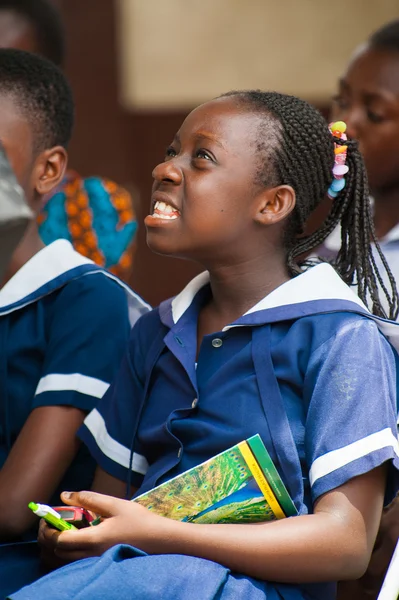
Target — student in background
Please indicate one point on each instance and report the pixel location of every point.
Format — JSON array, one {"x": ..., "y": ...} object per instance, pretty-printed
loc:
[
  {"x": 368, "y": 101},
  {"x": 94, "y": 214},
  {"x": 64, "y": 321},
  {"x": 252, "y": 345}
]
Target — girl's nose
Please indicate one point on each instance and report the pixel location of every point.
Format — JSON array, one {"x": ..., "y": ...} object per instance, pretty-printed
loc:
[{"x": 168, "y": 171}]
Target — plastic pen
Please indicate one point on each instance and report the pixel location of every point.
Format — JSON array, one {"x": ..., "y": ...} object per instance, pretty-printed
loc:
[{"x": 51, "y": 516}]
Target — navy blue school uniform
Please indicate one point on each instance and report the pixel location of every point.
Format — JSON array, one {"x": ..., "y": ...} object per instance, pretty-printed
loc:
[
  {"x": 64, "y": 326},
  {"x": 306, "y": 368}
]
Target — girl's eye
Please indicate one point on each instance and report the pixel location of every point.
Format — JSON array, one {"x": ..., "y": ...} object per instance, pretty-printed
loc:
[
  {"x": 374, "y": 117},
  {"x": 203, "y": 154},
  {"x": 170, "y": 152}
]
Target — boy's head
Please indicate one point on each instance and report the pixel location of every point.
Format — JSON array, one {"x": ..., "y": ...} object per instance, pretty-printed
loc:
[
  {"x": 36, "y": 120},
  {"x": 34, "y": 26},
  {"x": 368, "y": 100}
]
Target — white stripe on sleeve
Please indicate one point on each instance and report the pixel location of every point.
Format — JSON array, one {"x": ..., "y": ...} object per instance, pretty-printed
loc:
[
  {"x": 336, "y": 459},
  {"x": 110, "y": 447},
  {"x": 75, "y": 382}
]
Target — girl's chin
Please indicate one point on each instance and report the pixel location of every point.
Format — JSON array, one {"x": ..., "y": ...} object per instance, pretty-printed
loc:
[{"x": 160, "y": 244}]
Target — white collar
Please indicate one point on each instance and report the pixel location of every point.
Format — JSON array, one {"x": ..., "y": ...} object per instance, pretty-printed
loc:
[
  {"x": 50, "y": 262},
  {"x": 320, "y": 282},
  {"x": 392, "y": 235},
  {"x": 333, "y": 241}
]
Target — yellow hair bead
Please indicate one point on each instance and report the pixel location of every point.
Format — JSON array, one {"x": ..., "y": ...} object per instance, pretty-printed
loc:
[{"x": 338, "y": 126}]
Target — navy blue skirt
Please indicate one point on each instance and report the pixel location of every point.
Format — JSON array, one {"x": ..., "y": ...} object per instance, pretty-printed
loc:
[{"x": 126, "y": 573}]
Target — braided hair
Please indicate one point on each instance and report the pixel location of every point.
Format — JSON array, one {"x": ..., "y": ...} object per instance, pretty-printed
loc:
[{"x": 301, "y": 154}]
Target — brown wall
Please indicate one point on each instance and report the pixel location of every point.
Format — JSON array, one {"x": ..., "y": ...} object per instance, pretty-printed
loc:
[{"x": 112, "y": 142}]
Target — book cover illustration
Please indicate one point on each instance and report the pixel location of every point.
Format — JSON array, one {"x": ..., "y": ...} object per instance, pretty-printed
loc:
[{"x": 239, "y": 485}]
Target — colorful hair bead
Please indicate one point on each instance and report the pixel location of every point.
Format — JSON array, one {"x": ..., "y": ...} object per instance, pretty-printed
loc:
[{"x": 340, "y": 168}]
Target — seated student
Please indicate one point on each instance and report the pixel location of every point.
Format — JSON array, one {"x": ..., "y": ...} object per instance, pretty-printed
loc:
[
  {"x": 95, "y": 214},
  {"x": 368, "y": 100},
  {"x": 64, "y": 321},
  {"x": 253, "y": 345}
]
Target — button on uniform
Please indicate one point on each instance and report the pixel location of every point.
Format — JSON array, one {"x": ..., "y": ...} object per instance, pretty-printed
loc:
[
  {"x": 179, "y": 453},
  {"x": 194, "y": 403},
  {"x": 216, "y": 342}
]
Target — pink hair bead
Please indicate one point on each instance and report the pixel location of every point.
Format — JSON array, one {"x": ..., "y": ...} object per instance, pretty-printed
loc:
[{"x": 340, "y": 170}]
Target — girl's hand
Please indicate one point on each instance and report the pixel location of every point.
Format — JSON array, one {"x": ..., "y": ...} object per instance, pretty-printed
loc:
[{"x": 124, "y": 522}]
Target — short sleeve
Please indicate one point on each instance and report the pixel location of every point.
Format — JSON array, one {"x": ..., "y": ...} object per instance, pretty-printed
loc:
[
  {"x": 109, "y": 429},
  {"x": 350, "y": 387},
  {"x": 86, "y": 339}
]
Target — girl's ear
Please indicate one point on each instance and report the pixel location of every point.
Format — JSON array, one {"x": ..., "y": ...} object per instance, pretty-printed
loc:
[
  {"x": 275, "y": 205},
  {"x": 49, "y": 170}
]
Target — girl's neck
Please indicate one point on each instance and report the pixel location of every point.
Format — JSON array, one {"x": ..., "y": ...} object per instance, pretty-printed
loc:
[
  {"x": 386, "y": 211},
  {"x": 30, "y": 245},
  {"x": 237, "y": 288}
]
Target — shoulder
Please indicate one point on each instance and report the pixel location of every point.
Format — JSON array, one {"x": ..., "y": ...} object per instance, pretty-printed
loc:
[
  {"x": 318, "y": 336},
  {"x": 96, "y": 283},
  {"x": 318, "y": 329},
  {"x": 95, "y": 292}
]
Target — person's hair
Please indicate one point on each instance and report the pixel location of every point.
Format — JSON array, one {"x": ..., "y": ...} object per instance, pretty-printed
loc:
[
  {"x": 296, "y": 148},
  {"x": 386, "y": 38},
  {"x": 41, "y": 93},
  {"x": 46, "y": 21}
]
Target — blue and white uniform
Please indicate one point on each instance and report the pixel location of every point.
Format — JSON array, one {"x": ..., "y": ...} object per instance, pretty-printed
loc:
[
  {"x": 306, "y": 368},
  {"x": 64, "y": 326}
]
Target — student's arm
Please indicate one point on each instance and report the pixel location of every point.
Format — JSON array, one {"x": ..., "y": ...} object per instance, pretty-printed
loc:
[
  {"x": 334, "y": 543},
  {"x": 36, "y": 464},
  {"x": 104, "y": 483},
  {"x": 87, "y": 338},
  {"x": 368, "y": 587}
]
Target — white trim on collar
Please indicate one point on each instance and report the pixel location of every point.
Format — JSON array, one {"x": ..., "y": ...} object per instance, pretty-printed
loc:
[
  {"x": 333, "y": 241},
  {"x": 392, "y": 235},
  {"x": 320, "y": 282},
  {"x": 49, "y": 263},
  {"x": 182, "y": 301}
]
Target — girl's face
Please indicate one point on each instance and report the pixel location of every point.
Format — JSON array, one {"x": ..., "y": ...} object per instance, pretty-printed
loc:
[
  {"x": 368, "y": 101},
  {"x": 205, "y": 194}
]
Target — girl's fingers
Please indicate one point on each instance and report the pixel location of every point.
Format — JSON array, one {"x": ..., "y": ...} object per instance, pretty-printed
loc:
[
  {"x": 98, "y": 503},
  {"x": 79, "y": 539},
  {"x": 47, "y": 536}
]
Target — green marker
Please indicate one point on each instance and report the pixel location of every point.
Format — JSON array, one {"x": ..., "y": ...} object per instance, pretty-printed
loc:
[{"x": 51, "y": 516}]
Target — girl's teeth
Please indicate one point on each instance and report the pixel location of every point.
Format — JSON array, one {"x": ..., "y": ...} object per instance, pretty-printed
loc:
[
  {"x": 167, "y": 217},
  {"x": 165, "y": 211}
]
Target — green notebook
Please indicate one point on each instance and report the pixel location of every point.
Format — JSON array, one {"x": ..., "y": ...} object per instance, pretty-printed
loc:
[{"x": 239, "y": 485}]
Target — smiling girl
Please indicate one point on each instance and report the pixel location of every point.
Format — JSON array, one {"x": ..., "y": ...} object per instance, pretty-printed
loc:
[{"x": 255, "y": 344}]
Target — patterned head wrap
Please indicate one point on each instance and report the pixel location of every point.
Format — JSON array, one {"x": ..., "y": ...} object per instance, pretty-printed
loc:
[{"x": 96, "y": 216}]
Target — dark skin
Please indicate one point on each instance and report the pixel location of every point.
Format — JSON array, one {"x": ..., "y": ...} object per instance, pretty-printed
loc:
[
  {"x": 17, "y": 32},
  {"x": 232, "y": 226},
  {"x": 368, "y": 101},
  {"x": 43, "y": 464},
  {"x": 237, "y": 274}
]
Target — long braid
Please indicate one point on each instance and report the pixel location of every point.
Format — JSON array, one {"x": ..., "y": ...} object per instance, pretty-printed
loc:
[{"x": 300, "y": 153}]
